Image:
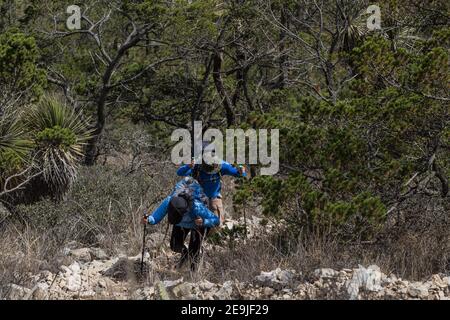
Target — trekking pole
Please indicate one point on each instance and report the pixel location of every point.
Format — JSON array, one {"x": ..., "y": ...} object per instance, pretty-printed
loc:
[
  {"x": 242, "y": 169},
  {"x": 143, "y": 243},
  {"x": 245, "y": 221}
]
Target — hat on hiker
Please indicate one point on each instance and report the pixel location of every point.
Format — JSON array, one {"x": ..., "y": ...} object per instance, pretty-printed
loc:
[
  {"x": 210, "y": 167},
  {"x": 178, "y": 206},
  {"x": 212, "y": 164}
]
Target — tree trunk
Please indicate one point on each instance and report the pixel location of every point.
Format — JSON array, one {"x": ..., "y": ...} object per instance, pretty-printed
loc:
[
  {"x": 283, "y": 56},
  {"x": 218, "y": 81},
  {"x": 92, "y": 146}
]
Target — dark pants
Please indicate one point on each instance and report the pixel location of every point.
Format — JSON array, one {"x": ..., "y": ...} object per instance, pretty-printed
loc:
[{"x": 192, "y": 253}]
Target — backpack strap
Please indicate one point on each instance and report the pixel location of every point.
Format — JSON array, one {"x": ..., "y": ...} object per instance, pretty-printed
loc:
[
  {"x": 196, "y": 172},
  {"x": 197, "y": 169}
]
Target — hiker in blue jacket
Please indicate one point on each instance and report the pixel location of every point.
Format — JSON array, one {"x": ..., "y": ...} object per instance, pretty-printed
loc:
[
  {"x": 209, "y": 176},
  {"x": 186, "y": 208}
]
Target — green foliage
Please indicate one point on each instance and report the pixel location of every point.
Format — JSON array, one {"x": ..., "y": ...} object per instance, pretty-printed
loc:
[
  {"x": 14, "y": 145},
  {"x": 12, "y": 134},
  {"x": 21, "y": 81},
  {"x": 19, "y": 70},
  {"x": 59, "y": 134},
  {"x": 56, "y": 137},
  {"x": 58, "y": 125},
  {"x": 227, "y": 236},
  {"x": 426, "y": 71},
  {"x": 10, "y": 162},
  {"x": 348, "y": 160},
  {"x": 325, "y": 211}
]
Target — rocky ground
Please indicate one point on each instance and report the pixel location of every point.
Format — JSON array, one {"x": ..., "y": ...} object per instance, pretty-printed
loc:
[{"x": 92, "y": 274}]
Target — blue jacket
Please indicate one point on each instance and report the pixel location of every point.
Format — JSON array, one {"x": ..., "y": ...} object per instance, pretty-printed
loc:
[
  {"x": 198, "y": 208},
  {"x": 210, "y": 182}
]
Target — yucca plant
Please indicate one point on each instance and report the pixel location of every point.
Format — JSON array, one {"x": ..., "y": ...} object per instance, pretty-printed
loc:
[
  {"x": 14, "y": 147},
  {"x": 12, "y": 134},
  {"x": 59, "y": 134}
]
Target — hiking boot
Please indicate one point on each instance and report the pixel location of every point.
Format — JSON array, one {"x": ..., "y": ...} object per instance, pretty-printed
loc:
[
  {"x": 179, "y": 265},
  {"x": 194, "y": 267},
  {"x": 195, "y": 262}
]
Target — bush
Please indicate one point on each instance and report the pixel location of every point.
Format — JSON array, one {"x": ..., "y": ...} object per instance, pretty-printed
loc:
[{"x": 56, "y": 136}]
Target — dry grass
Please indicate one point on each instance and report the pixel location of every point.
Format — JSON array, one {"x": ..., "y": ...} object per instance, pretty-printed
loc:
[
  {"x": 22, "y": 253},
  {"x": 413, "y": 258}
]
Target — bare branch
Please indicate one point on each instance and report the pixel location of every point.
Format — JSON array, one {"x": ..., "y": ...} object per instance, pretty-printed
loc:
[{"x": 20, "y": 185}]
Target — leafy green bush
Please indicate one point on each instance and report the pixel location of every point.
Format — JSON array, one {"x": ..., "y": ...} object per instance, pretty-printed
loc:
[
  {"x": 10, "y": 161},
  {"x": 19, "y": 70},
  {"x": 56, "y": 137}
]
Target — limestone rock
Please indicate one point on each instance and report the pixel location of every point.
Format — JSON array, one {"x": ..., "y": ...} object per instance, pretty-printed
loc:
[
  {"x": 367, "y": 279},
  {"x": 181, "y": 290},
  {"x": 268, "y": 291},
  {"x": 418, "y": 290},
  {"x": 276, "y": 279},
  {"x": 81, "y": 255},
  {"x": 325, "y": 273},
  {"x": 123, "y": 268},
  {"x": 172, "y": 283},
  {"x": 206, "y": 285},
  {"x": 72, "y": 277},
  {"x": 98, "y": 254},
  {"x": 225, "y": 291},
  {"x": 440, "y": 282},
  {"x": 17, "y": 292},
  {"x": 40, "y": 292},
  {"x": 46, "y": 276}
]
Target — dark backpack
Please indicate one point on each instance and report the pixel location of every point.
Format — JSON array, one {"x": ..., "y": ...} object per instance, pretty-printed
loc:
[
  {"x": 178, "y": 207},
  {"x": 186, "y": 193}
]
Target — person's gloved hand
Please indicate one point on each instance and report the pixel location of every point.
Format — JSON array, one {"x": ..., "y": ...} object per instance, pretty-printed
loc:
[
  {"x": 198, "y": 221},
  {"x": 192, "y": 164},
  {"x": 241, "y": 170},
  {"x": 147, "y": 219}
]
